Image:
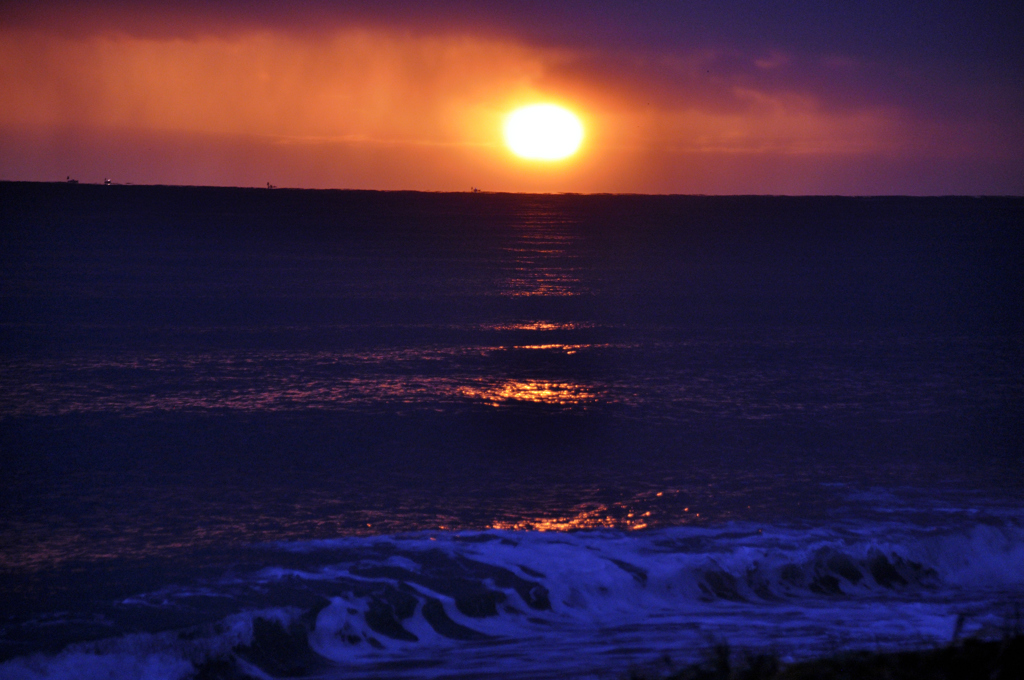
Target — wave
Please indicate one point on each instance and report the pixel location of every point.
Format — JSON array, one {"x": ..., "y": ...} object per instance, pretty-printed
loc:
[{"x": 532, "y": 604}]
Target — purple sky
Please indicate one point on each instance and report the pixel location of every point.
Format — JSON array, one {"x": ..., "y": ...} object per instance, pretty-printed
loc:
[{"x": 676, "y": 97}]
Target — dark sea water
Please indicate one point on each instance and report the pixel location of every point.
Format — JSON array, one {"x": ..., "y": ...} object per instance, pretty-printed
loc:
[{"x": 405, "y": 435}]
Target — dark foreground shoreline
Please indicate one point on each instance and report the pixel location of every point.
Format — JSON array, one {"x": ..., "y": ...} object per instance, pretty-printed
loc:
[
  {"x": 284, "y": 652},
  {"x": 970, "y": 658}
]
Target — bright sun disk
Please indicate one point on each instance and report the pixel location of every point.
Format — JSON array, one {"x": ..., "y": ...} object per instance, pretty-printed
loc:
[{"x": 543, "y": 132}]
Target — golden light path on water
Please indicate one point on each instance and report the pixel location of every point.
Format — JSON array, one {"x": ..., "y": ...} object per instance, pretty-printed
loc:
[
  {"x": 631, "y": 515},
  {"x": 320, "y": 515},
  {"x": 535, "y": 391},
  {"x": 540, "y": 259},
  {"x": 289, "y": 381}
]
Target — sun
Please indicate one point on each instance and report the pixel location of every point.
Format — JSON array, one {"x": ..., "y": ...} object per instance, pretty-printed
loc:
[{"x": 543, "y": 132}]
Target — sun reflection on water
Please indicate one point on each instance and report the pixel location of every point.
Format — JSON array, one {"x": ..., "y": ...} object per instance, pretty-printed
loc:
[
  {"x": 538, "y": 326},
  {"x": 542, "y": 260},
  {"x": 531, "y": 391},
  {"x": 645, "y": 510}
]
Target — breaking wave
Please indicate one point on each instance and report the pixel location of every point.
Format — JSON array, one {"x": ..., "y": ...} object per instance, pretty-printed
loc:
[{"x": 532, "y": 604}]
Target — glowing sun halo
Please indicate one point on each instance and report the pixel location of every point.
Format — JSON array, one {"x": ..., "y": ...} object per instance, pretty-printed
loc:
[{"x": 543, "y": 132}]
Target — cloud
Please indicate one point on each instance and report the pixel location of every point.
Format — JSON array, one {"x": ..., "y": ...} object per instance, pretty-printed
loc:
[
  {"x": 356, "y": 85},
  {"x": 359, "y": 83},
  {"x": 362, "y": 86}
]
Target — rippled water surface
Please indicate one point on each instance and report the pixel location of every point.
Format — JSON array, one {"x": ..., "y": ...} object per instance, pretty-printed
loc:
[{"x": 190, "y": 376}]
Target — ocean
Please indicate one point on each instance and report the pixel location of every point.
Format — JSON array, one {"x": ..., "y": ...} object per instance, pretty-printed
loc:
[{"x": 347, "y": 434}]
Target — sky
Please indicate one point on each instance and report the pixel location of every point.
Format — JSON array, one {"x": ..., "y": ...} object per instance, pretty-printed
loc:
[{"x": 727, "y": 97}]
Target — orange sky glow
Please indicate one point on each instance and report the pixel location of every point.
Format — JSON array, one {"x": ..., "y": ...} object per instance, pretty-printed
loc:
[{"x": 374, "y": 107}]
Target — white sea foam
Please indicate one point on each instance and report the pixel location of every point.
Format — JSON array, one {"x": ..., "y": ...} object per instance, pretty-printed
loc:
[
  {"x": 522, "y": 604},
  {"x": 162, "y": 656}
]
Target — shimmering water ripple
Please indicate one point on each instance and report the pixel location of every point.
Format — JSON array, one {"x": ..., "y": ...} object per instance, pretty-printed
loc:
[
  {"x": 725, "y": 377},
  {"x": 193, "y": 375}
]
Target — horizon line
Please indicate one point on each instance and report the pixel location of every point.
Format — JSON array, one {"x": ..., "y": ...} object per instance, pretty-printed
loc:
[{"x": 476, "y": 190}]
